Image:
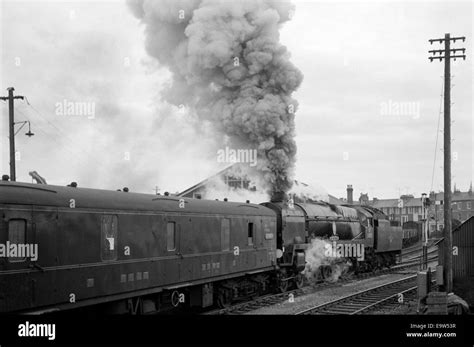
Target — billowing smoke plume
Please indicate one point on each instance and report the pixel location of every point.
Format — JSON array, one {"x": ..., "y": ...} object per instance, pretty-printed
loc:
[
  {"x": 230, "y": 69},
  {"x": 304, "y": 192}
]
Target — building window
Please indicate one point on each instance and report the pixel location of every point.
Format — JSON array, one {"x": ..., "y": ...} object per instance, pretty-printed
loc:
[
  {"x": 459, "y": 205},
  {"x": 404, "y": 210},
  {"x": 17, "y": 235},
  {"x": 404, "y": 219},
  {"x": 250, "y": 234},
  {"x": 109, "y": 237},
  {"x": 225, "y": 234},
  {"x": 468, "y": 205},
  {"x": 171, "y": 236}
]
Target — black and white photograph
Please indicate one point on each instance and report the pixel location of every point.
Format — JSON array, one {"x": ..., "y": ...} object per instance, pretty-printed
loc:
[{"x": 238, "y": 171}]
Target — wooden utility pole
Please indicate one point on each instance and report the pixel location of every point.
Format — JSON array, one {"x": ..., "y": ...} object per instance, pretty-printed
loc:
[
  {"x": 448, "y": 236},
  {"x": 10, "y": 99}
]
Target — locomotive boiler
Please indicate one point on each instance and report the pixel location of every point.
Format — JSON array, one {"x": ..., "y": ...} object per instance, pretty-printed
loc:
[{"x": 354, "y": 226}]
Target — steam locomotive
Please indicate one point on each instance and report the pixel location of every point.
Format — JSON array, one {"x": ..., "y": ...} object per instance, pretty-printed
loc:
[{"x": 67, "y": 248}]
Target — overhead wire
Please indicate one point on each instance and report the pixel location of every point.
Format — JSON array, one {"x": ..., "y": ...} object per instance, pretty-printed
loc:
[{"x": 437, "y": 135}]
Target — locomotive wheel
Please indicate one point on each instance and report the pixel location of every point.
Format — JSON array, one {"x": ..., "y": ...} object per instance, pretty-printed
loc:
[
  {"x": 299, "y": 281},
  {"x": 224, "y": 298},
  {"x": 326, "y": 272},
  {"x": 282, "y": 285}
]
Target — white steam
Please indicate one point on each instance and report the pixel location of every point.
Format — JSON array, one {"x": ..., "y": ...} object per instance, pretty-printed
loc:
[{"x": 317, "y": 256}]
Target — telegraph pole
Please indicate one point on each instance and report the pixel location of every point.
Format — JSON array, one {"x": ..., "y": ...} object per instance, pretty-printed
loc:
[
  {"x": 448, "y": 236},
  {"x": 10, "y": 99}
]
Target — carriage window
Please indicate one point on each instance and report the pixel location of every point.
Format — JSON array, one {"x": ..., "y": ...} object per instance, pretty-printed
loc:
[
  {"x": 171, "y": 236},
  {"x": 225, "y": 234},
  {"x": 17, "y": 235},
  {"x": 109, "y": 237},
  {"x": 250, "y": 234}
]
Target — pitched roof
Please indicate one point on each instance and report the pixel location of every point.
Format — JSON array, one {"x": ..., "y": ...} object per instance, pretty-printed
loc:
[
  {"x": 332, "y": 199},
  {"x": 335, "y": 201},
  {"x": 415, "y": 202},
  {"x": 203, "y": 182},
  {"x": 383, "y": 203}
]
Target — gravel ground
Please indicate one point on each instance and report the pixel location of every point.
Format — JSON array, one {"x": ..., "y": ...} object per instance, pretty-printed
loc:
[
  {"x": 317, "y": 296},
  {"x": 408, "y": 308}
]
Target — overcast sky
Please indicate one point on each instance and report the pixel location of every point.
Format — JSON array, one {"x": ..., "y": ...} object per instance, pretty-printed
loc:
[{"x": 361, "y": 61}]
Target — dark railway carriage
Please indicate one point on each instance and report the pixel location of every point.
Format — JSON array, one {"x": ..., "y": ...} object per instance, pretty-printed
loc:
[
  {"x": 411, "y": 233},
  {"x": 138, "y": 251}
]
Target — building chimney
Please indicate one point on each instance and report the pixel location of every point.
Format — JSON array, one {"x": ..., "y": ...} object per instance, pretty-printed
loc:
[{"x": 350, "y": 199}]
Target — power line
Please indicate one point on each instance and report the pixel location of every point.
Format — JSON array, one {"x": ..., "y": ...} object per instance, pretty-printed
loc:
[
  {"x": 437, "y": 134},
  {"x": 63, "y": 145},
  {"x": 60, "y": 131},
  {"x": 51, "y": 138},
  {"x": 39, "y": 114}
]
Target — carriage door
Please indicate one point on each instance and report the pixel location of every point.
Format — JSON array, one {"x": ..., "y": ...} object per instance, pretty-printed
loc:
[
  {"x": 19, "y": 239},
  {"x": 171, "y": 263},
  {"x": 19, "y": 252}
]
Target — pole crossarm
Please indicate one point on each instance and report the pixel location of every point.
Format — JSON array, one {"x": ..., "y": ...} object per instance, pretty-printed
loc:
[
  {"x": 15, "y": 97},
  {"x": 454, "y": 39},
  {"x": 451, "y": 56},
  {"x": 434, "y": 51}
]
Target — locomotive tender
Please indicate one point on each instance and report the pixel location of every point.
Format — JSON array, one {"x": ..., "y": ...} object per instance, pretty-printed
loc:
[{"x": 121, "y": 252}]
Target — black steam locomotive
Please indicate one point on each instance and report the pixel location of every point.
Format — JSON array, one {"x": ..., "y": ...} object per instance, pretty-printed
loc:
[{"x": 117, "y": 252}]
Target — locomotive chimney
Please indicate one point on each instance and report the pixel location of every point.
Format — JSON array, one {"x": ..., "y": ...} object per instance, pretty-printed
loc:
[
  {"x": 278, "y": 197},
  {"x": 350, "y": 199}
]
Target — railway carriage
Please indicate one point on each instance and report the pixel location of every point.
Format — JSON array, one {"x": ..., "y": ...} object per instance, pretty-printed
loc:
[{"x": 140, "y": 251}]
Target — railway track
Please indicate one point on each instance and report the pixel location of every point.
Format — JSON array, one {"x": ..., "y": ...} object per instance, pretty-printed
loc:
[
  {"x": 432, "y": 255},
  {"x": 366, "y": 300},
  {"x": 417, "y": 250},
  {"x": 263, "y": 301},
  {"x": 272, "y": 299}
]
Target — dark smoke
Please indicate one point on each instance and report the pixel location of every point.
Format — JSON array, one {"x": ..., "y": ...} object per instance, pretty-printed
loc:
[{"x": 229, "y": 68}]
